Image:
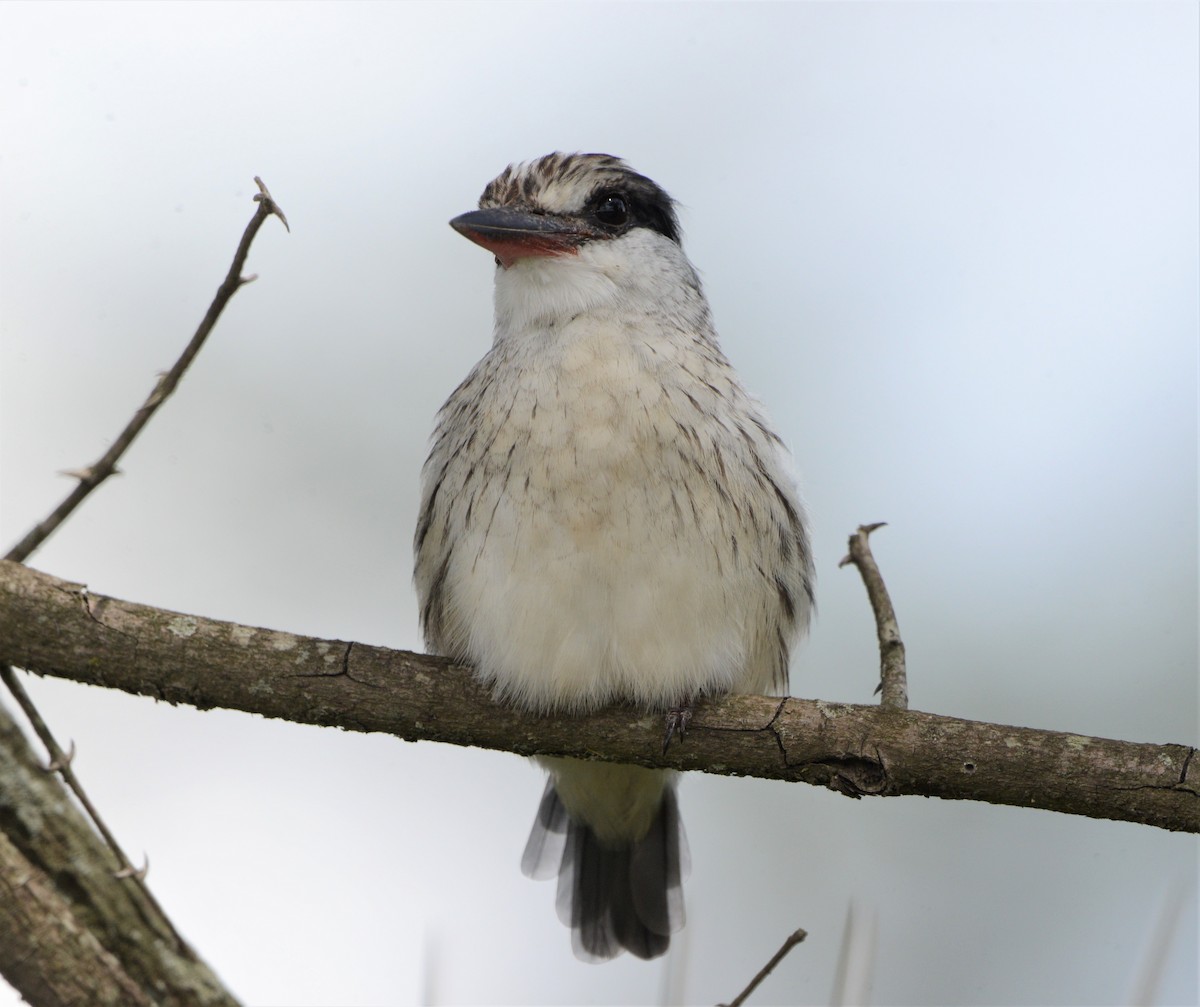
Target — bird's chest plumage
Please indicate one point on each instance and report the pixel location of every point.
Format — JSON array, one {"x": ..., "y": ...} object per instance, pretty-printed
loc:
[
  {"x": 587, "y": 434},
  {"x": 595, "y": 544}
]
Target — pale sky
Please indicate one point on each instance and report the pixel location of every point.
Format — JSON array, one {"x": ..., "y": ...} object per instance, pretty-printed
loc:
[{"x": 953, "y": 249}]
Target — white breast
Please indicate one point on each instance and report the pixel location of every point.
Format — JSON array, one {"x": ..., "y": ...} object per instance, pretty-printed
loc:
[{"x": 595, "y": 546}]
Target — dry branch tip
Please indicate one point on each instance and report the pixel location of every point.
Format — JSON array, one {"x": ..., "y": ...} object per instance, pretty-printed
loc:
[
  {"x": 893, "y": 679},
  {"x": 864, "y": 531},
  {"x": 264, "y": 196},
  {"x": 792, "y": 940}
]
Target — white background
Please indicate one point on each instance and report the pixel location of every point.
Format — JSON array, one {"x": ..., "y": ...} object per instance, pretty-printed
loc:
[{"x": 953, "y": 247}]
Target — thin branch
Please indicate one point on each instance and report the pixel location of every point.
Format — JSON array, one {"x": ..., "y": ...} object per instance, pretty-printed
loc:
[
  {"x": 94, "y": 474},
  {"x": 893, "y": 680},
  {"x": 767, "y": 969},
  {"x": 88, "y": 479},
  {"x": 53, "y": 627}
]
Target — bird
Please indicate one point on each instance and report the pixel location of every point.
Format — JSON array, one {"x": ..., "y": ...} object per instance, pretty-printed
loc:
[{"x": 606, "y": 516}]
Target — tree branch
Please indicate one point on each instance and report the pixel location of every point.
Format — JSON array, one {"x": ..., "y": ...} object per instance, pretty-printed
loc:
[
  {"x": 55, "y": 977},
  {"x": 893, "y": 679},
  {"x": 71, "y": 933},
  {"x": 792, "y": 940},
  {"x": 54, "y": 962},
  {"x": 53, "y": 627},
  {"x": 94, "y": 474}
]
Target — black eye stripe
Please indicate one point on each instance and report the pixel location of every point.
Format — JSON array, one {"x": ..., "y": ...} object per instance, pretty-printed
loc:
[{"x": 646, "y": 205}]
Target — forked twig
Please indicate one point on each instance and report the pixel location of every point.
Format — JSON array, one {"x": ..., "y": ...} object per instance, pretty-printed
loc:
[
  {"x": 893, "y": 680},
  {"x": 91, "y": 477},
  {"x": 791, "y": 942}
]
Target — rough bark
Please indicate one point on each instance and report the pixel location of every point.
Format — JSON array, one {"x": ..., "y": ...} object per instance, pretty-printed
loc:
[
  {"x": 71, "y": 933},
  {"x": 53, "y": 627},
  {"x": 49, "y": 958}
]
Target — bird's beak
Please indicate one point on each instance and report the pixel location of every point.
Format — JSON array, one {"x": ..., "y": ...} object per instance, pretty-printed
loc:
[{"x": 511, "y": 234}]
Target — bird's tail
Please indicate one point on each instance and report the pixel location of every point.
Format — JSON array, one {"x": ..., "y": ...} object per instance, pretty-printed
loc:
[{"x": 615, "y": 893}]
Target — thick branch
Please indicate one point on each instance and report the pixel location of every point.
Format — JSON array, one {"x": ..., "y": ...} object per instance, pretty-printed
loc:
[
  {"x": 50, "y": 959},
  {"x": 52, "y": 627},
  {"x": 70, "y": 931}
]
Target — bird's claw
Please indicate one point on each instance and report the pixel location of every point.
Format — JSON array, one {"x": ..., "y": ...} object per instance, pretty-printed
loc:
[{"x": 677, "y": 719}]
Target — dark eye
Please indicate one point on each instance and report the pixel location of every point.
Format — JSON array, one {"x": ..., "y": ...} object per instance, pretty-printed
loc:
[{"x": 613, "y": 211}]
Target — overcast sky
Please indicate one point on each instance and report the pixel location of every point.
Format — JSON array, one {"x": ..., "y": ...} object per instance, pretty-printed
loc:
[{"x": 952, "y": 247}]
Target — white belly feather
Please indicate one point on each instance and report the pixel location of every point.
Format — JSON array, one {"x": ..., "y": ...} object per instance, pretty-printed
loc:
[{"x": 607, "y": 546}]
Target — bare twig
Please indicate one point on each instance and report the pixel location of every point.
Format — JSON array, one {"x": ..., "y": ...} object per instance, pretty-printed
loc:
[
  {"x": 94, "y": 474},
  {"x": 791, "y": 942},
  {"x": 893, "y": 681},
  {"x": 91, "y": 477}
]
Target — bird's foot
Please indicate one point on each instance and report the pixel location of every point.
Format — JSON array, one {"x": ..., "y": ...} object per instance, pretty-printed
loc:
[{"x": 677, "y": 719}]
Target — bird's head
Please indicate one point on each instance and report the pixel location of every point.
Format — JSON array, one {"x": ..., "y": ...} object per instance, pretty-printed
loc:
[{"x": 575, "y": 231}]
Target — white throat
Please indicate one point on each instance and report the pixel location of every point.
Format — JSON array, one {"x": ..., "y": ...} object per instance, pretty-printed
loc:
[{"x": 624, "y": 277}]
